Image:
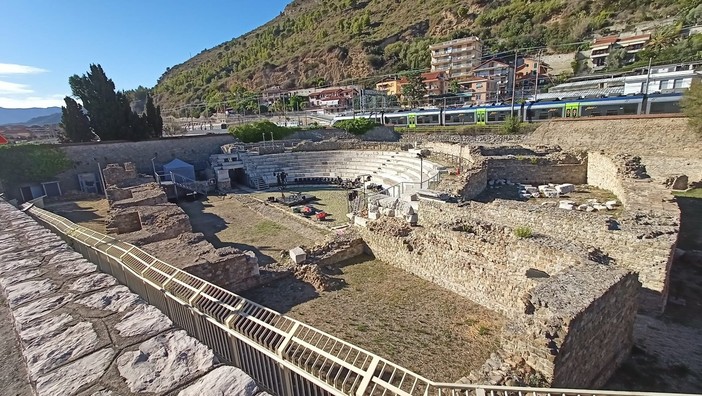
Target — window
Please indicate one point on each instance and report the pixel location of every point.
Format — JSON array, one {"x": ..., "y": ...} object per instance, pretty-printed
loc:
[
  {"x": 479, "y": 85},
  {"x": 678, "y": 83}
]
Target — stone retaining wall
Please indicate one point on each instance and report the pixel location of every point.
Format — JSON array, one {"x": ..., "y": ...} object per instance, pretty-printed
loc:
[
  {"x": 83, "y": 334},
  {"x": 536, "y": 171},
  {"x": 87, "y": 156}
]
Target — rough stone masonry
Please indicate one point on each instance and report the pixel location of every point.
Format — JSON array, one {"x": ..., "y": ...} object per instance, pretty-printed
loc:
[{"x": 81, "y": 333}]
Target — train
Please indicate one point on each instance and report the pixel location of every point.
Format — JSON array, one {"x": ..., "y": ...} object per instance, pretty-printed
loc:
[{"x": 527, "y": 111}]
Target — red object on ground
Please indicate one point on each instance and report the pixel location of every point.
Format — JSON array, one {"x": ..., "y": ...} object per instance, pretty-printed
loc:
[
  {"x": 321, "y": 216},
  {"x": 3, "y": 140}
]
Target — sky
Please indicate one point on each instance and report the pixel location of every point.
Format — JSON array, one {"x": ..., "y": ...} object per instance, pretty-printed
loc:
[{"x": 43, "y": 42}]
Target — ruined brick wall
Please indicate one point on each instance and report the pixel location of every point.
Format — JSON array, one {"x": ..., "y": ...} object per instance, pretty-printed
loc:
[
  {"x": 536, "y": 171},
  {"x": 571, "y": 318},
  {"x": 578, "y": 328},
  {"x": 603, "y": 173},
  {"x": 485, "y": 263},
  {"x": 331, "y": 145},
  {"x": 644, "y": 242},
  {"x": 469, "y": 184},
  {"x": 115, "y": 194},
  {"x": 123, "y": 222},
  {"x": 116, "y": 174}
]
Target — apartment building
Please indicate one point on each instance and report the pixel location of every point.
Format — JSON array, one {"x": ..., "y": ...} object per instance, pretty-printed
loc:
[
  {"x": 500, "y": 73},
  {"x": 602, "y": 47},
  {"x": 478, "y": 89},
  {"x": 457, "y": 58}
]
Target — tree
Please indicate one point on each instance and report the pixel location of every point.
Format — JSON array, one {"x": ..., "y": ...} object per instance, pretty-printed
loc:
[
  {"x": 616, "y": 59},
  {"x": 692, "y": 106},
  {"x": 415, "y": 89},
  {"x": 152, "y": 114},
  {"x": 110, "y": 112},
  {"x": 74, "y": 122},
  {"x": 454, "y": 87},
  {"x": 24, "y": 163}
]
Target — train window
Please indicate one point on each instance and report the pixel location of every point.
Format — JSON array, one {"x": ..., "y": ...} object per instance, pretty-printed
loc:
[
  {"x": 496, "y": 116},
  {"x": 664, "y": 107},
  {"x": 461, "y": 118},
  {"x": 428, "y": 119}
]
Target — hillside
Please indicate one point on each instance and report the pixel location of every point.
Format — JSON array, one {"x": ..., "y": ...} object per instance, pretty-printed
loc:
[
  {"x": 20, "y": 116},
  {"x": 319, "y": 42}
]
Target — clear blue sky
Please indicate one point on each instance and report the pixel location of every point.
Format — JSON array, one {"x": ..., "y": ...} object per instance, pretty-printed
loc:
[{"x": 43, "y": 42}]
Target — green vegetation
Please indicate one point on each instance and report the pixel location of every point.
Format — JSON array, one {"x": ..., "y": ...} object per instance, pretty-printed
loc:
[
  {"x": 415, "y": 89},
  {"x": 511, "y": 126},
  {"x": 320, "y": 42},
  {"x": 357, "y": 126},
  {"x": 26, "y": 163},
  {"x": 692, "y": 106},
  {"x": 523, "y": 232},
  {"x": 109, "y": 112},
  {"x": 75, "y": 124},
  {"x": 258, "y": 131},
  {"x": 268, "y": 227},
  {"x": 693, "y": 193}
]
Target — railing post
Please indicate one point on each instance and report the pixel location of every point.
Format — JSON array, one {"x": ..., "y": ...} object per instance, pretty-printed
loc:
[
  {"x": 285, "y": 372},
  {"x": 368, "y": 376}
]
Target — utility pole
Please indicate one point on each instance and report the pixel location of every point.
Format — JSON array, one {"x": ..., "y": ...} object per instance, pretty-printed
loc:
[
  {"x": 645, "y": 90},
  {"x": 514, "y": 81},
  {"x": 538, "y": 69}
]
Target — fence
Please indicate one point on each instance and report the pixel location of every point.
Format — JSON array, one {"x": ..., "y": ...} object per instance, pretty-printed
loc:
[{"x": 284, "y": 355}]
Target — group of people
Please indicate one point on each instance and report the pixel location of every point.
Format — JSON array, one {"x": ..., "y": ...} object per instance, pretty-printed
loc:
[{"x": 282, "y": 177}]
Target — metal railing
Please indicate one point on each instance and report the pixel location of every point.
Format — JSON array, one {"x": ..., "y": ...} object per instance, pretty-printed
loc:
[{"x": 284, "y": 355}]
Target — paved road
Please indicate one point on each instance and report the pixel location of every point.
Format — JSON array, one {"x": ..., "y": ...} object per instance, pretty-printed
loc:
[{"x": 13, "y": 372}]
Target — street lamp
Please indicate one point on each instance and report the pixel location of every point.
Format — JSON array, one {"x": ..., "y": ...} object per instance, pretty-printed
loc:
[{"x": 421, "y": 170}]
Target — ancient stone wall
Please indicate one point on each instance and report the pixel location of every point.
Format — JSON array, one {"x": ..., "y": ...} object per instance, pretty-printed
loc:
[
  {"x": 86, "y": 156},
  {"x": 653, "y": 136},
  {"x": 571, "y": 317},
  {"x": 330, "y": 145},
  {"x": 643, "y": 243},
  {"x": 116, "y": 174},
  {"x": 80, "y": 333},
  {"x": 536, "y": 171},
  {"x": 117, "y": 194},
  {"x": 123, "y": 222},
  {"x": 578, "y": 327}
]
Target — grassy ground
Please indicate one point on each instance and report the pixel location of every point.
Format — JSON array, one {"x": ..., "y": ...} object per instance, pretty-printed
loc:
[
  {"x": 394, "y": 314},
  {"x": 90, "y": 213},
  {"x": 228, "y": 222},
  {"x": 694, "y": 193},
  {"x": 331, "y": 200}
]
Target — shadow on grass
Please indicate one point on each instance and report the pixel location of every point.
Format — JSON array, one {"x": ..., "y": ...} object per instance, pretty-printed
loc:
[{"x": 210, "y": 224}]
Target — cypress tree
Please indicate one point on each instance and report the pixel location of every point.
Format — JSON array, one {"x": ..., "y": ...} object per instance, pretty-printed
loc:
[{"x": 75, "y": 124}]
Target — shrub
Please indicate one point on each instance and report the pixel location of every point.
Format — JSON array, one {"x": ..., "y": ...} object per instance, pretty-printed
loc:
[
  {"x": 251, "y": 133},
  {"x": 24, "y": 163},
  {"x": 357, "y": 126},
  {"x": 511, "y": 125},
  {"x": 523, "y": 232}
]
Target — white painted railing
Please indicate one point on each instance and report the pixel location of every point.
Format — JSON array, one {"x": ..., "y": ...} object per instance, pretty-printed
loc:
[{"x": 285, "y": 355}]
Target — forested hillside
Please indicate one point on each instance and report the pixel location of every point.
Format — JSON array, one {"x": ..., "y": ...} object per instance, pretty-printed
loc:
[{"x": 320, "y": 42}]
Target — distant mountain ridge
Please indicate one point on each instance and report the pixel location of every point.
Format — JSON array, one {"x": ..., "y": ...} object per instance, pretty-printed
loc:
[{"x": 30, "y": 116}]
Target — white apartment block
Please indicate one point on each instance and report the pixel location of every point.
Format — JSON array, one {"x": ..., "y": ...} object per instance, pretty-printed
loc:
[{"x": 456, "y": 58}]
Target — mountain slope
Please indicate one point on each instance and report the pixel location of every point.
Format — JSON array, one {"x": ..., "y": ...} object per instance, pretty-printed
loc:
[
  {"x": 317, "y": 42},
  {"x": 19, "y": 116}
]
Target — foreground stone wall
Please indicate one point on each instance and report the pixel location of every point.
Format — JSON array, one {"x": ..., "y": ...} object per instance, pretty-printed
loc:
[
  {"x": 578, "y": 328},
  {"x": 82, "y": 333}
]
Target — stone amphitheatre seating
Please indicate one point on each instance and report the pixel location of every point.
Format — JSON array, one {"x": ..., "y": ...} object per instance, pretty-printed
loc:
[{"x": 386, "y": 167}]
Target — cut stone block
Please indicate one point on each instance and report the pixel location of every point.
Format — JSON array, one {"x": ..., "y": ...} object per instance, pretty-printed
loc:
[
  {"x": 298, "y": 255},
  {"x": 566, "y": 188},
  {"x": 373, "y": 215}
]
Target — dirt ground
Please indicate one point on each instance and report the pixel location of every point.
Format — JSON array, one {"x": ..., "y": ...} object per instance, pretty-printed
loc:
[
  {"x": 394, "y": 314},
  {"x": 88, "y": 212},
  {"x": 333, "y": 201},
  {"x": 13, "y": 373},
  {"x": 227, "y": 221}
]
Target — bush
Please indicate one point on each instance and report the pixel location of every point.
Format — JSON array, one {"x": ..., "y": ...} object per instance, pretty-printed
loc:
[
  {"x": 523, "y": 232},
  {"x": 255, "y": 132},
  {"x": 511, "y": 125},
  {"x": 356, "y": 126},
  {"x": 25, "y": 163}
]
